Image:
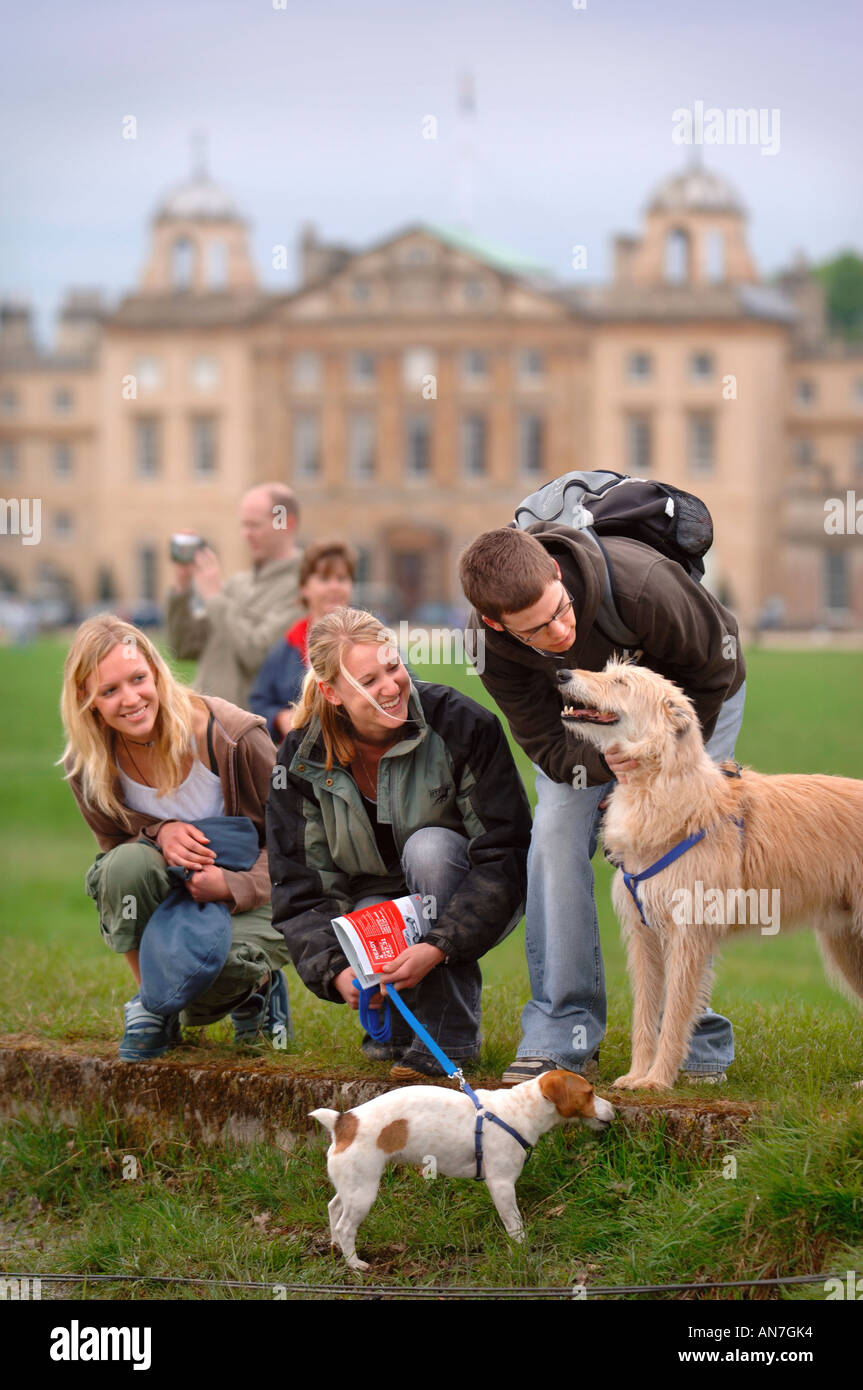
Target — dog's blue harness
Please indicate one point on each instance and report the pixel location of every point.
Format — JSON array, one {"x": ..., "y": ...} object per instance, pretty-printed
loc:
[
  {"x": 632, "y": 880},
  {"x": 381, "y": 1030}
]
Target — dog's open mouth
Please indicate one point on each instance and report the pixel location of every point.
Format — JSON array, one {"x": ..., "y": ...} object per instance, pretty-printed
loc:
[{"x": 589, "y": 716}]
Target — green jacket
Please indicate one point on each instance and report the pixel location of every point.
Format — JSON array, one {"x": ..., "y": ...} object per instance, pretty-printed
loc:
[{"x": 454, "y": 769}]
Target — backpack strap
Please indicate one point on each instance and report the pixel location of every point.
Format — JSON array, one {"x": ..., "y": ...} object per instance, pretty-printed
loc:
[
  {"x": 608, "y": 620},
  {"x": 214, "y": 766}
]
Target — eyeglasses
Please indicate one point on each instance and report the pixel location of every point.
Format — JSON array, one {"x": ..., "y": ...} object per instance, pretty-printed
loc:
[{"x": 563, "y": 611}]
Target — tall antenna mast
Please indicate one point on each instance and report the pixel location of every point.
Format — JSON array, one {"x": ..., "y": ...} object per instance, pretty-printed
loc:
[
  {"x": 198, "y": 142},
  {"x": 466, "y": 93}
]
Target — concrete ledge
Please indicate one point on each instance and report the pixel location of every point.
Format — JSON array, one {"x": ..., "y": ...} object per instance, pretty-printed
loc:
[{"x": 216, "y": 1101}]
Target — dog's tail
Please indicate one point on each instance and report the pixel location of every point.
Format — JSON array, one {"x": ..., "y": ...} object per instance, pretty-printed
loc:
[{"x": 325, "y": 1117}]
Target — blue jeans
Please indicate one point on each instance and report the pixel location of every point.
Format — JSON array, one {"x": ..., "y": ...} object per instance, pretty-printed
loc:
[
  {"x": 565, "y": 1019},
  {"x": 447, "y": 1002}
]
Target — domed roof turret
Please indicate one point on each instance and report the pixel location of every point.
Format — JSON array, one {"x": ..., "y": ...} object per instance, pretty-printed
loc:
[
  {"x": 200, "y": 199},
  {"x": 695, "y": 190}
]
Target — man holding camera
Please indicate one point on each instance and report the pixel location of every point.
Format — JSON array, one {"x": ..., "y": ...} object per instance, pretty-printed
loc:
[{"x": 228, "y": 626}]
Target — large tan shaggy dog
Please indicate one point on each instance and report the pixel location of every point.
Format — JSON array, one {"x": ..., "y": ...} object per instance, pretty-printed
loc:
[{"x": 765, "y": 852}]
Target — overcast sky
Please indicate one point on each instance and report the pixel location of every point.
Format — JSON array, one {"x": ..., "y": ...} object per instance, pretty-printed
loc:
[{"x": 315, "y": 111}]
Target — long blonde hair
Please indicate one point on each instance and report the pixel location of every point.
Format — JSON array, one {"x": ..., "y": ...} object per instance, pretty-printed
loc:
[
  {"x": 327, "y": 640},
  {"x": 89, "y": 747}
]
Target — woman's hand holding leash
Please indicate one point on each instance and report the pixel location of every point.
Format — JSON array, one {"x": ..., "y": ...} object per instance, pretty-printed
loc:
[
  {"x": 344, "y": 983},
  {"x": 405, "y": 972}
]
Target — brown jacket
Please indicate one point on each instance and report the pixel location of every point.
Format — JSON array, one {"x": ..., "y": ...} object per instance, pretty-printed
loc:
[
  {"x": 244, "y": 755},
  {"x": 683, "y": 632}
]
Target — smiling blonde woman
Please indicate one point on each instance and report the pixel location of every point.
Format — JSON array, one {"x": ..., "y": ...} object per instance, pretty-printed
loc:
[
  {"x": 146, "y": 758},
  {"x": 387, "y": 786}
]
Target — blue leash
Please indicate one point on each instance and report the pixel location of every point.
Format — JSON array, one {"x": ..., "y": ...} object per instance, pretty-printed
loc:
[{"x": 381, "y": 1030}]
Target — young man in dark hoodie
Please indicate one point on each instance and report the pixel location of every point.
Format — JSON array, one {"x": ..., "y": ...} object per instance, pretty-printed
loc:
[{"x": 537, "y": 600}]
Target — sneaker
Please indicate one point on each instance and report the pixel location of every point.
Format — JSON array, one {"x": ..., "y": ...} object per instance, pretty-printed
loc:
[
  {"x": 382, "y": 1051},
  {"x": 704, "y": 1078},
  {"x": 528, "y": 1068},
  {"x": 266, "y": 1012},
  {"x": 147, "y": 1035},
  {"x": 419, "y": 1066}
]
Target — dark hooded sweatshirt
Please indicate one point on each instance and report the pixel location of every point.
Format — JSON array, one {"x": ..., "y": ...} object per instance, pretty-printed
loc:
[{"x": 683, "y": 632}]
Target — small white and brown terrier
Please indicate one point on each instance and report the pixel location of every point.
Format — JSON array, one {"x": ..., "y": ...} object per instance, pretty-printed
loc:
[{"x": 436, "y": 1128}]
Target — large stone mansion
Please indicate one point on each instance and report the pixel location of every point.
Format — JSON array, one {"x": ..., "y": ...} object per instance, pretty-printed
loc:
[{"x": 413, "y": 391}]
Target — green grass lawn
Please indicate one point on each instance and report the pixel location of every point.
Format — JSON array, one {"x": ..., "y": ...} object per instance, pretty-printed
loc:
[{"x": 625, "y": 1209}]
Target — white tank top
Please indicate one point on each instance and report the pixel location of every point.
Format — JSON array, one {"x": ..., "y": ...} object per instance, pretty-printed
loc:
[{"x": 200, "y": 795}]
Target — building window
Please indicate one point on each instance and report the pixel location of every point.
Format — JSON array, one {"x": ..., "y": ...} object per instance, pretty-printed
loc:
[
  {"x": 677, "y": 256},
  {"x": 474, "y": 367},
  {"x": 204, "y": 373},
  {"x": 9, "y": 402},
  {"x": 147, "y": 561},
  {"x": 147, "y": 447},
  {"x": 416, "y": 255},
  {"x": 62, "y": 400},
  {"x": 306, "y": 371},
  {"x": 204, "y": 446},
  {"x": 836, "y": 587},
  {"x": 364, "y": 565},
  {"x": 702, "y": 445},
  {"x": 362, "y": 369},
  {"x": 307, "y": 445},
  {"x": 473, "y": 446},
  {"x": 715, "y": 260},
  {"x": 804, "y": 391},
  {"x": 639, "y": 444},
  {"x": 64, "y": 526},
  {"x": 417, "y": 364},
  {"x": 217, "y": 265},
  {"x": 531, "y": 445},
  {"x": 531, "y": 365},
  {"x": 8, "y": 460},
  {"x": 857, "y": 391},
  {"x": 361, "y": 447},
  {"x": 361, "y": 291},
  {"x": 418, "y": 446},
  {"x": 148, "y": 373},
  {"x": 182, "y": 263},
  {"x": 803, "y": 452},
  {"x": 639, "y": 366},
  {"x": 701, "y": 366},
  {"x": 63, "y": 460},
  {"x": 474, "y": 291},
  {"x": 857, "y": 454}
]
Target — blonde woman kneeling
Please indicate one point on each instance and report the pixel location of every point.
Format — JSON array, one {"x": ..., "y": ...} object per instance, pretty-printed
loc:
[{"x": 145, "y": 758}]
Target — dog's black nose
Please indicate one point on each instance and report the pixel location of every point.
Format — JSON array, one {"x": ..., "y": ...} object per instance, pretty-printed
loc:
[{"x": 564, "y": 677}]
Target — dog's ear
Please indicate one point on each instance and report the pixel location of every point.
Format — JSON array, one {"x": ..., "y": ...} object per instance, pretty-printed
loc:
[
  {"x": 569, "y": 1093},
  {"x": 678, "y": 716}
]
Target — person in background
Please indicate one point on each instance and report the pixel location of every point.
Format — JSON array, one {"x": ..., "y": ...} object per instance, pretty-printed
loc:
[
  {"x": 327, "y": 573},
  {"x": 228, "y": 626},
  {"x": 146, "y": 757}
]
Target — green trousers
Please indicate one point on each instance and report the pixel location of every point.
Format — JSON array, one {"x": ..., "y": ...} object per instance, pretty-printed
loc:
[{"x": 127, "y": 885}]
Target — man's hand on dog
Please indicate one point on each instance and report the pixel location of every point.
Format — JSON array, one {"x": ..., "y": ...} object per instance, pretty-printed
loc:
[
  {"x": 405, "y": 972},
  {"x": 619, "y": 763}
]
